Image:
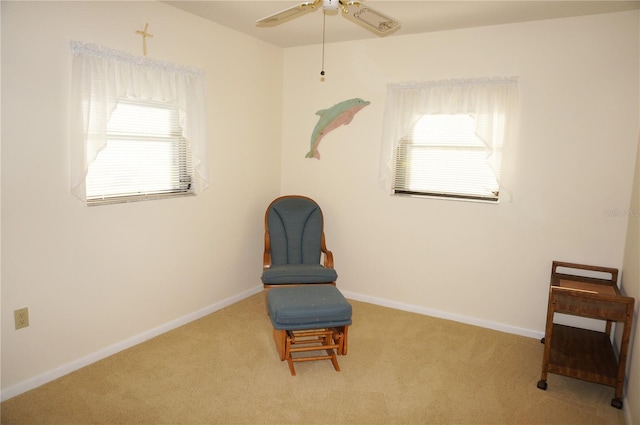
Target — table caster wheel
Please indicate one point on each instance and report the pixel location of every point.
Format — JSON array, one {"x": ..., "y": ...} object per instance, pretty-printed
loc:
[
  {"x": 542, "y": 384},
  {"x": 617, "y": 403}
]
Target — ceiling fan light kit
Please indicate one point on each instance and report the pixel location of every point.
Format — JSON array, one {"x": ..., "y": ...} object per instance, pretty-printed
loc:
[
  {"x": 379, "y": 22},
  {"x": 374, "y": 20}
]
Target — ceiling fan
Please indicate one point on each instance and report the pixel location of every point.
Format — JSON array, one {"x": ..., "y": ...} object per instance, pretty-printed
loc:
[{"x": 378, "y": 22}]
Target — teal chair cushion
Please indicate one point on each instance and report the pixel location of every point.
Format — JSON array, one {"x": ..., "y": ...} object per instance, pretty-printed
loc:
[
  {"x": 298, "y": 273},
  {"x": 308, "y": 307}
]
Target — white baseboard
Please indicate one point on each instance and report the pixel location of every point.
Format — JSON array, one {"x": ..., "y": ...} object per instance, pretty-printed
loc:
[
  {"x": 49, "y": 376},
  {"x": 443, "y": 315}
]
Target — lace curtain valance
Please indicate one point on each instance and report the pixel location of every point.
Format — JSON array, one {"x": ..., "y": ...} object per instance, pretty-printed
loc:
[
  {"x": 491, "y": 101},
  {"x": 101, "y": 76}
]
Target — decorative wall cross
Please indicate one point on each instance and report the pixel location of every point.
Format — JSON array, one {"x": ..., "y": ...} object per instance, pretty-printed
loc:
[{"x": 144, "y": 35}]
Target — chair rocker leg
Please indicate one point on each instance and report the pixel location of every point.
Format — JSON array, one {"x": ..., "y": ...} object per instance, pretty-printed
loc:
[
  {"x": 290, "y": 342},
  {"x": 280, "y": 338}
]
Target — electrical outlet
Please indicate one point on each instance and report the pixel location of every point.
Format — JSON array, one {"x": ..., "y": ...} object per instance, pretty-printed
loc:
[{"x": 22, "y": 317}]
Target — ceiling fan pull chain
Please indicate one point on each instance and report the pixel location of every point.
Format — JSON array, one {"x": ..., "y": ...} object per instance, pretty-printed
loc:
[{"x": 324, "y": 22}]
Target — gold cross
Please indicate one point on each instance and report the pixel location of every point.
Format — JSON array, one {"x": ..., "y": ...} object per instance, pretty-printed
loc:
[{"x": 144, "y": 35}]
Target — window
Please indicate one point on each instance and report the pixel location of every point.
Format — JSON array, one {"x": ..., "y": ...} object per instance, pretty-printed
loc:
[
  {"x": 444, "y": 157},
  {"x": 446, "y": 138},
  {"x": 145, "y": 155},
  {"x": 138, "y": 127}
]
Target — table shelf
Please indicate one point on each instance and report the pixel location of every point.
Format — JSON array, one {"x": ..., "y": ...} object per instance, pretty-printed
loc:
[{"x": 584, "y": 354}]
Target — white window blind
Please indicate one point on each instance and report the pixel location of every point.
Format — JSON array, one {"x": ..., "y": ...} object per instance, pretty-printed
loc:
[
  {"x": 443, "y": 157},
  {"x": 145, "y": 155}
]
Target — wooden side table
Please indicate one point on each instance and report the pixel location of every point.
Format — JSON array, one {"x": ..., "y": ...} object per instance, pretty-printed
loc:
[{"x": 581, "y": 353}]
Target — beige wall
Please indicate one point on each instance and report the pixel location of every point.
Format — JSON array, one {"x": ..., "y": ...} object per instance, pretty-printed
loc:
[
  {"x": 578, "y": 85},
  {"x": 103, "y": 276},
  {"x": 480, "y": 263},
  {"x": 631, "y": 287}
]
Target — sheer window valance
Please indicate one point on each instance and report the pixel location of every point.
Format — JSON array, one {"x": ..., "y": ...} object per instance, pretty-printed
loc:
[
  {"x": 492, "y": 102},
  {"x": 101, "y": 76}
]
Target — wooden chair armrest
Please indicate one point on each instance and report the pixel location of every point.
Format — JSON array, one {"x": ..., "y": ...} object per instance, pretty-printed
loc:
[
  {"x": 328, "y": 255},
  {"x": 266, "y": 256},
  {"x": 328, "y": 259}
]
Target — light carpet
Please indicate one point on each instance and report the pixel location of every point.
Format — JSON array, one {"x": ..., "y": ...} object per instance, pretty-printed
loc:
[{"x": 401, "y": 368}]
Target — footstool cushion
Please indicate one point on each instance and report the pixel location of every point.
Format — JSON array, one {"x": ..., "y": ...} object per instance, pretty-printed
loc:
[{"x": 308, "y": 307}]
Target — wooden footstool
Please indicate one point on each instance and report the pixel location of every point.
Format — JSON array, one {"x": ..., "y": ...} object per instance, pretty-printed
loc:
[{"x": 309, "y": 318}]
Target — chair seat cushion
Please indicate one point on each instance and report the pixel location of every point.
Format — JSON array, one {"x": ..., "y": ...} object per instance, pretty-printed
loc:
[
  {"x": 308, "y": 307},
  {"x": 298, "y": 273}
]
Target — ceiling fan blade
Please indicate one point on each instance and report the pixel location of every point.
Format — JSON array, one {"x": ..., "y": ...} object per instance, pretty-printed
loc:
[
  {"x": 376, "y": 21},
  {"x": 288, "y": 14}
]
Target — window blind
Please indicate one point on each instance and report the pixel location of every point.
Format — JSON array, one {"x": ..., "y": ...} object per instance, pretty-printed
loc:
[
  {"x": 145, "y": 155},
  {"x": 444, "y": 157}
]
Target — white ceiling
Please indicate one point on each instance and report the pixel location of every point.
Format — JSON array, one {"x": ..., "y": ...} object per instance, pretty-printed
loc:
[{"x": 415, "y": 16}]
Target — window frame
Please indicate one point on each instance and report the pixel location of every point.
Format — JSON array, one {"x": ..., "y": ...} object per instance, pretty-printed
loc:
[
  {"x": 184, "y": 161},
  {"x": 400, "y": 186}
]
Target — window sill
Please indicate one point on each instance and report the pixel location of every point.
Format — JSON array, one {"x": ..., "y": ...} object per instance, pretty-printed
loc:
[
  {"x": 137, "y": 198},
  {"x": 447, "y": 197}
]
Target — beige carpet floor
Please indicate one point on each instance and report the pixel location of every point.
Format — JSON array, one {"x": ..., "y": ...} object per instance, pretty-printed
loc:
[{"x": 401, "y": 368}]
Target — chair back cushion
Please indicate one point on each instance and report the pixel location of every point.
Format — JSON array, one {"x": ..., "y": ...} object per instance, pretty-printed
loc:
[{"x": 295, "y": 231}]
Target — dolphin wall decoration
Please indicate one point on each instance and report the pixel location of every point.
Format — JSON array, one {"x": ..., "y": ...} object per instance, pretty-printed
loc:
[{"x": 339, "y": 114}]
